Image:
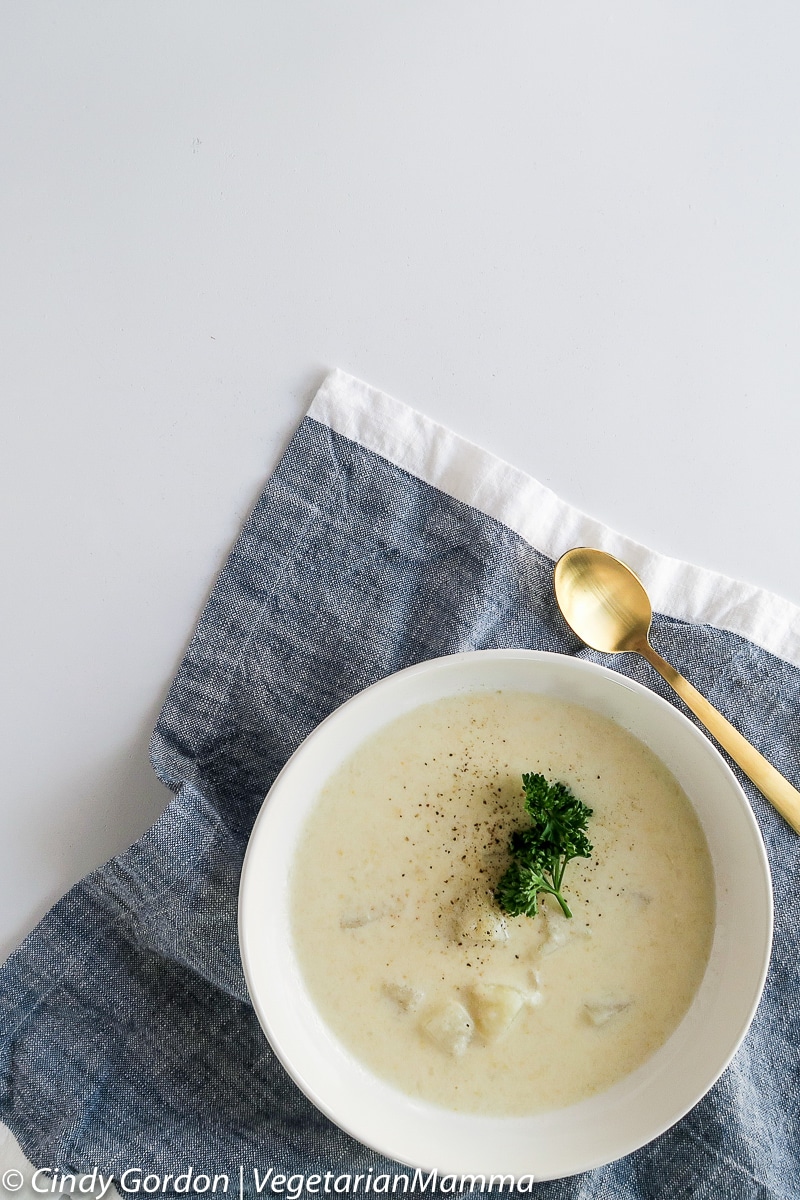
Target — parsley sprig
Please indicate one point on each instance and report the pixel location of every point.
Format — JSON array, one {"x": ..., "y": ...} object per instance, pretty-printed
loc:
[{"x": 540, "y": 853}]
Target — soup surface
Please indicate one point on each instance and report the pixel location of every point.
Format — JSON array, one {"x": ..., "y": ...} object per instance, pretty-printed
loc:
[{"x": 417, "y": 970}]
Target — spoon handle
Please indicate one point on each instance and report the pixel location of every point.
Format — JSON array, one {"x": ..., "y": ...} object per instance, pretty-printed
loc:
[{"x": 770, "y": 782}]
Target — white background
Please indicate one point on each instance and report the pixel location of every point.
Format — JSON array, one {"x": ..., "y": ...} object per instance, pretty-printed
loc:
[{"x": 567, "y": 230}]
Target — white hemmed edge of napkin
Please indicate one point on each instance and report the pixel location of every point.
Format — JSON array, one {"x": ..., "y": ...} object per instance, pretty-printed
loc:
[{"x": 466, "y": 472}]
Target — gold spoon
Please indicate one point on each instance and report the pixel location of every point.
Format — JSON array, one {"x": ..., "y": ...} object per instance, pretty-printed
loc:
[{"x": 606, "y": 605}]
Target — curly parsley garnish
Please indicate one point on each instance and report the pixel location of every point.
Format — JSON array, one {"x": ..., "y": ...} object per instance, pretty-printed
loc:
[{"x": 540, "y": 853}]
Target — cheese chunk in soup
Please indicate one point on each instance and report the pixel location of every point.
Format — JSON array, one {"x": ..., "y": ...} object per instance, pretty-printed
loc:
[{"x": 419, "y": 973}]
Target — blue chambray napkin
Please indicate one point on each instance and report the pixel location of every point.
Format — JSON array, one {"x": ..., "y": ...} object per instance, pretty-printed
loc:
[{"x": 126, "y": 1036}]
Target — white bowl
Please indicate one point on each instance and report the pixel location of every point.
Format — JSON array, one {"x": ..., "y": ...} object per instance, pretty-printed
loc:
[{"x": 567, "y": 1140}]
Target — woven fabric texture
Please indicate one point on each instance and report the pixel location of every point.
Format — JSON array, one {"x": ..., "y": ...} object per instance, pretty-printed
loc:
[{"x": 126, "y": 1034}]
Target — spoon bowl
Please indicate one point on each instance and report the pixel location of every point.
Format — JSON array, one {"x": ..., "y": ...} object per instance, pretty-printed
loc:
[{"x": 602, "y": 601}]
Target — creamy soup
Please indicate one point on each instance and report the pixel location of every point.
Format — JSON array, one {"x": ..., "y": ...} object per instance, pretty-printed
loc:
[{"x": 416, "y": 969}]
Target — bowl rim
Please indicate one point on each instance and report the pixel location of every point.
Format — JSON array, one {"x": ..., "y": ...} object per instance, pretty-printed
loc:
[{"x": 371, "y": 693}]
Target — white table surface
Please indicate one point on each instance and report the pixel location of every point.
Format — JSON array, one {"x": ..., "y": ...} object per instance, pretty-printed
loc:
[{"x": 567, "y": 231}]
